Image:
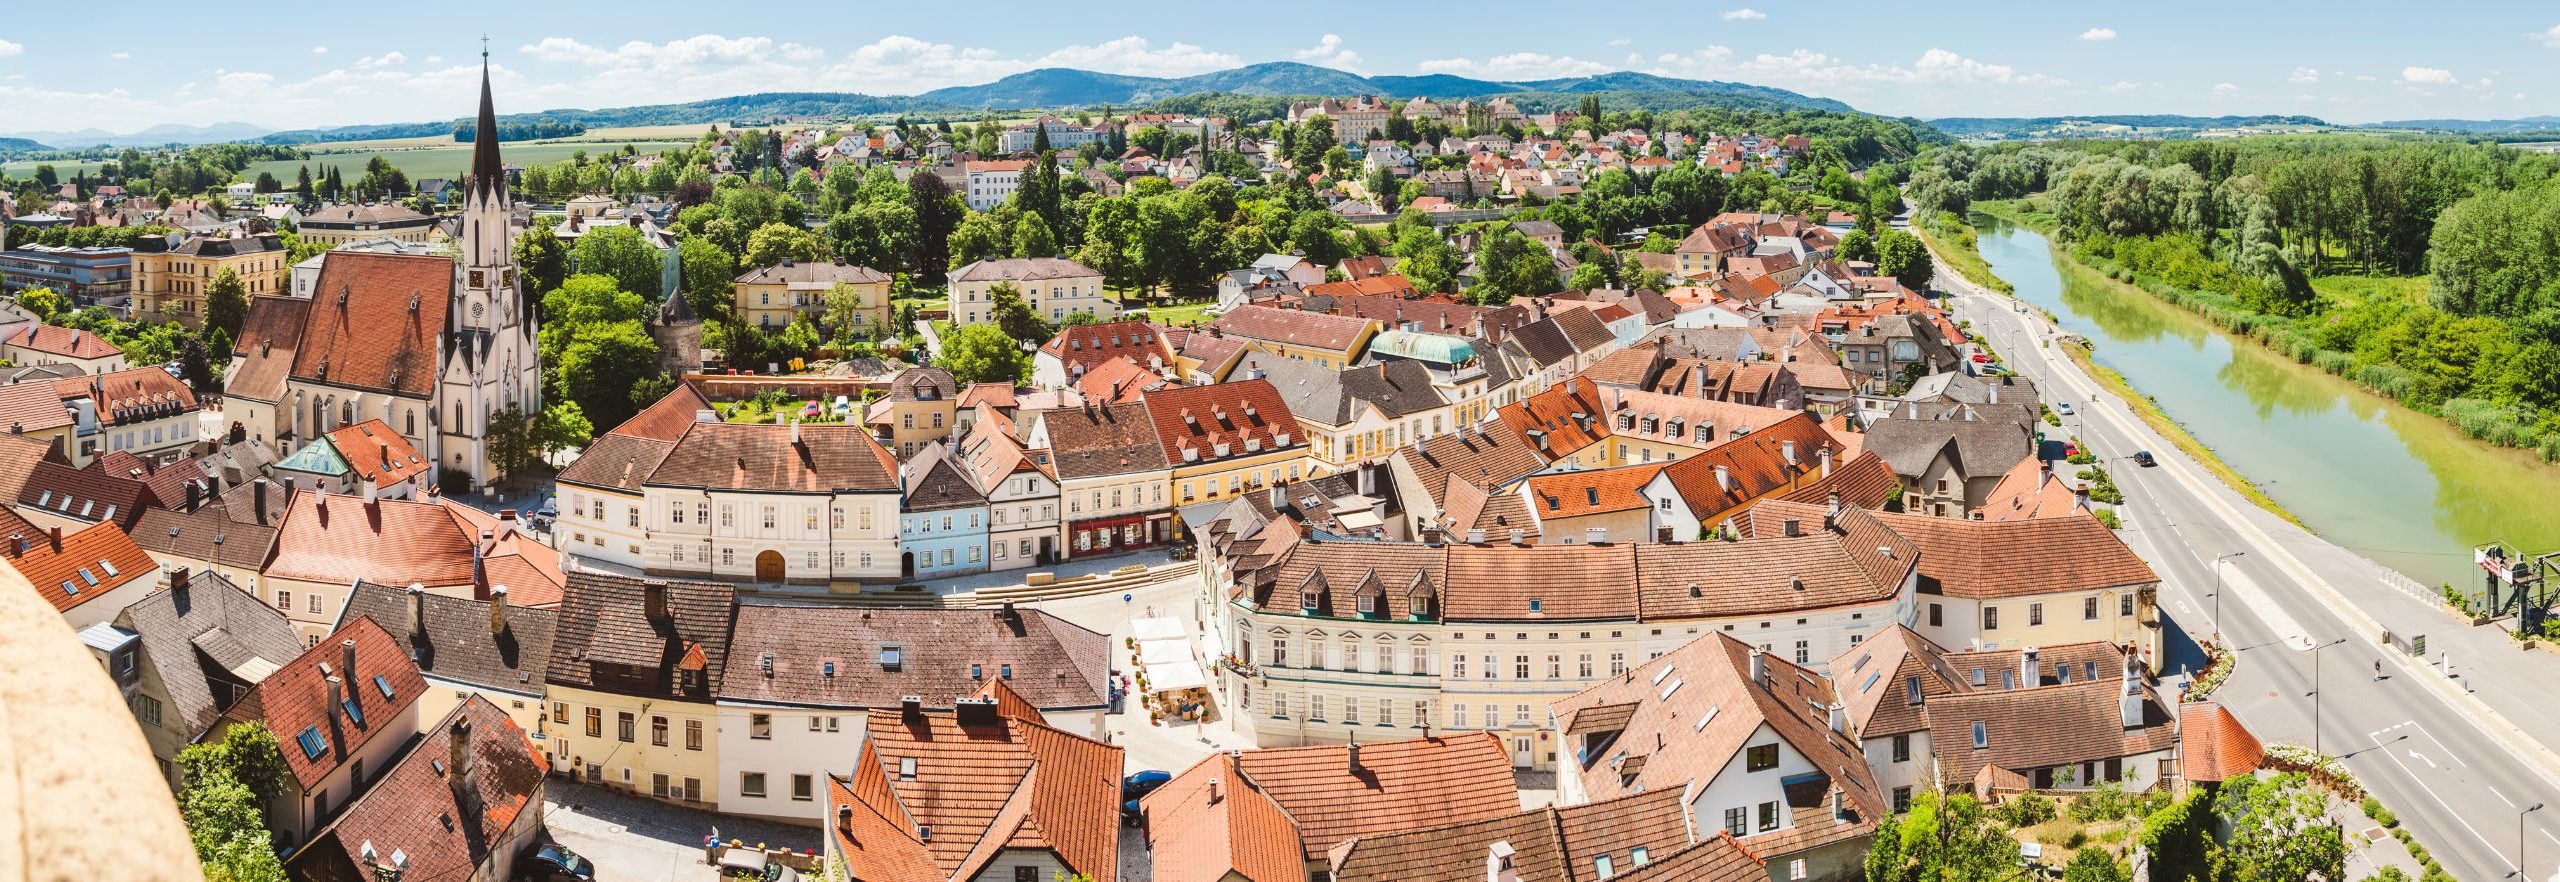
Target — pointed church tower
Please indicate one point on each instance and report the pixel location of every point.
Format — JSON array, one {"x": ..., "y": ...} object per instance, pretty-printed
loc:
[
  {"x": 489, "y": 360},
  {"x": 488, "y": 267}
]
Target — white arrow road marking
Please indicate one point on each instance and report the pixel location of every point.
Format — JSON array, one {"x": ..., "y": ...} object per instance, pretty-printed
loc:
[{"x": 2422, "y": 758}]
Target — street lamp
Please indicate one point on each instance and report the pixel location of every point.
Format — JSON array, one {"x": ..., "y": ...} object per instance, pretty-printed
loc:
[
  {"x": 2315, "y": 691},
  {"x": 2519, "y": 873},
  {"x": 2217, "y": 590}
]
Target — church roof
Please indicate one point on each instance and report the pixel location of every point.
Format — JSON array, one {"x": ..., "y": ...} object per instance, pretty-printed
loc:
[
  {"x": 374, "y": 322},
  {"x": 486, "y": 169}
]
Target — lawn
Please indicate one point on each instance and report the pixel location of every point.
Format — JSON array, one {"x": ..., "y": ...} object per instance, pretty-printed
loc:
[
  {"x": 1188, "y": 314},
  {"x": 2349, "y": 290},
  {"x": 447, "y": 162},
  {"x": 27, "y": 167}
]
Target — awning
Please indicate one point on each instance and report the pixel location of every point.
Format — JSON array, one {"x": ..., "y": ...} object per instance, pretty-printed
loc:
[
  {"x": 1163, "y": 652},
  {"x": 1158, "y": 628},
  {"x": 1175, "y": 676}
]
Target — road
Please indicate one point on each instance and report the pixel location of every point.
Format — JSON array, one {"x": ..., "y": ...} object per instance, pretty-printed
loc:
[{"x": 2455, "y": 773}]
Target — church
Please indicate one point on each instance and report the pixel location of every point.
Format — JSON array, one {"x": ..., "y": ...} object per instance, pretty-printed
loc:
[{"x": 432, "y": 345}]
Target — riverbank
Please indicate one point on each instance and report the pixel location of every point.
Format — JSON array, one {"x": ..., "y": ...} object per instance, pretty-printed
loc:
[
  {"x": 2480, "y": 420},
  {"x": 2148, "y": 409},
  {"x": 1956, "y": 243}
]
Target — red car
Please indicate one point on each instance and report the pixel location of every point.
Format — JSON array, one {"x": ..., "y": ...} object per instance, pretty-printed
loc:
[{"x": 1981, "y": 358}]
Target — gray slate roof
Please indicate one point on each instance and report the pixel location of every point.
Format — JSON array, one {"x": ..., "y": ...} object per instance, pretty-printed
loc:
[
  {"x": 1987, "y": 446},
  {"x": 457, "y": 644},
  {"x": 194, "y": 636}
]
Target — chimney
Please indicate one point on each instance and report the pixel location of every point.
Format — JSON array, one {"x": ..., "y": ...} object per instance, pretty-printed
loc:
[
  {"x": 1787, "y": 449},
  {"x": 1213, "y": 791},
  {"x": 1831, "y": 513},
  {"x": 194, "y": 493},
  {"x": 657, "y": 601},
  {"x": 2079, "y": 496},
  {"x": 347, "y": 659},
  {"x": 1759, "y": 665},
  {"x": 258, "y": 496},
  {"x": 1498, "y": 863},
  {"x": 417, "y": 611},
  {"x": 336, "y": 695},
  {"x": 2028, "y": 669},
  {"x": 57, "y": 539},
  {"x": 457, "y": 769},
  {"x": 1793, "y": 527},
  {"x": 372, "y": 492},
  {"x": 1825, "y": 455},
  {"x": 17, "y": 545},
  {"x": 1995, "y": 393},
  {"x": 910, "y": 709},
  {"x": 1517, "y": 537},
  {"x": 795, "y": 433},
  {"x": 178, "y": 585},
  {"x": 497, "y": 610},
  {"x": 2129, "y": 707},
  {"x": 1279, "y": 497},
  {"x": 1839, "y": 718},
  {"x": 977, "y": 713},
  {"x": 1596, "y": 536},
  {"x": 844, "y": 818},
  {"x": 1475, "y": 537},
  {"x": 1354, "y": 754}
]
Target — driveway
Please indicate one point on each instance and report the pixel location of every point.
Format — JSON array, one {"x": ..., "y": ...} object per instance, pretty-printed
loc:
[{"x": 633, "y": 839}]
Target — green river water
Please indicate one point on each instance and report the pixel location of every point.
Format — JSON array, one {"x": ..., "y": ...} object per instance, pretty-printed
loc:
[{"x": 2401, "y": 487}]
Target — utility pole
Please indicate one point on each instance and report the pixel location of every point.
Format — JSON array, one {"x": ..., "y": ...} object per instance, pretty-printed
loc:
[
  {"x": 2519, "y": 873},
  {"x": 2217, "y": 590},
  {"x": 2315, "y": 691}
]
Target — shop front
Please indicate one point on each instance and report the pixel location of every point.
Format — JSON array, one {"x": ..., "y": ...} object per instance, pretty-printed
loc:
[{"x": 1117, "y": 534}]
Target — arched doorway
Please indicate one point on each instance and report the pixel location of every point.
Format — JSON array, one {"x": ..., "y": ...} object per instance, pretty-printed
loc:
[
  {"x": 769, "y": 566},
  {"x": 907, "y": 565}
]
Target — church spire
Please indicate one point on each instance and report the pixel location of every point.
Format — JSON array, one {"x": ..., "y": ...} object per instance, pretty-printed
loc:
[{"x": 486, "y": 169}]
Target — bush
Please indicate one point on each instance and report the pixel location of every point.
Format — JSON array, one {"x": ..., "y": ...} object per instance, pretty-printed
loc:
[
  {"x": 2108, "y": 517},
  {"x": 2027, "y": 810},
  {"x": 2373, "y": 809}
]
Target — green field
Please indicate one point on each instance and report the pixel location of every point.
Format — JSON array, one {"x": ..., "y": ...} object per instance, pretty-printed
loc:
[
  {"x": 449, "y": 161},
  {"x": 2350, "y": 290},
  {"x": 23, "y": 168}
]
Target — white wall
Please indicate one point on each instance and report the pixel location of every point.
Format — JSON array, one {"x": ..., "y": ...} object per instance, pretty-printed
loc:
[{"x": 793, "y": 749}]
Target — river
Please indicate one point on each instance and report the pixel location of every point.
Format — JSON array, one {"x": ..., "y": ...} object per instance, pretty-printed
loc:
[{"x": 2403, "y": 488}]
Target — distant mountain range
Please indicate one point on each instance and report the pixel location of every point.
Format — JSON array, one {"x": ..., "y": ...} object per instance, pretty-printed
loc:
[
  {"x": 155, "y": 136},
  {"x": 2482, "y": 126},
  {"x": 2107, "y": 126},
  {"x": 1062, "y": 87}
]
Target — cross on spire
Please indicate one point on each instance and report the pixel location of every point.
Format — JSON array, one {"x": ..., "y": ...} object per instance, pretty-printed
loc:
[{"x": 484, "y": 50}]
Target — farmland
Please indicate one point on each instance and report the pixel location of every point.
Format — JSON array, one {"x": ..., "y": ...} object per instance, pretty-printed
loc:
[{"x": 425, "y": 158}]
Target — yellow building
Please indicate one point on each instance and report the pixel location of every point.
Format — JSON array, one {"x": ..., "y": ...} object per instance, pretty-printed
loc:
[
  {"x": 638, "y": 668},
  {"x": 464, "y": 647},
  {"x": 170, "y": 274},
  {"x": 1327, "y": 340},
  {"x": 771, "y": 297},
  {"x": 923, "y": 406},
  {"x": 340, "y": 224},
  {"x": 1226, "y": 439}
]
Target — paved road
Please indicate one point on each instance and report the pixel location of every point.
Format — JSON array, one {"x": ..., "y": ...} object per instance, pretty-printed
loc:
[{"x": 2456, "y": 773}]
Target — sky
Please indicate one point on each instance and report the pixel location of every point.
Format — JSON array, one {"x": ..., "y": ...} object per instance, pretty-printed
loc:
[{"x": 289, "y": 64}]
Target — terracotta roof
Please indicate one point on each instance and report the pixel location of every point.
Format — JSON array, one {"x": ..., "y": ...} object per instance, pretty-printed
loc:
[
  {"x": 943, "y": 656},
  {"x": 2027, "y": 492},
  {"x": 608, "y": 641},
  {"x": 1601, "y": 491},
  {"x": 1119, "y": 380},
  {"x": 736, "y": 456},
  {"x": 511, "y": 557},
  {"x": 378, "y": 454},
  {"x": 1487, "y": 454},
  {"x": 378, "y": 213},
  {"x": 993, "y": 455},
  {"x": 1719, "y": 859},
  {"x": 1314, "y": 330},
  {"x": 669, "y": 417},
  {"x": 999, "y": 395},
  {"x": 1243, "y": 831},
  {"x": 1395, "y": 575},
  {"x": 1995, "y": 559},
  {"x": 18, "y": 457},
  {"x": 1752, "y": 467},
  {"x": 1698, "y": 706},
  {"x": 872, "y": 835},
  {"x": 1084, "y": 347},
  {"x": 204, "y": 632},
  {"x": 2213, "y": 746},
  {"x": 293, "y": 701},
  {"x": 1246, "y": 417},
  {"x": 1379, "y": 285},
  {"x": 2029, "y": 729},
  {"x": 265, "y": 347},
  {"x": 336, "y": 538},
  {"x": 32, "y": 407},
  {"x": 1770, "y": 573},
  {"x": 1630, "y": 368},
  {"x": 87, "y": 564},
  {"x": 1009, "y": 782},
  {"x": 1561, "y": 582},
  {"x": 1862, "y": 482},
  {"x": 65, "y": 342},
  {"x": 616, "y": 461},
  {"x": 455, "y": 641},
  {"x": 376, "y": 322},
  {"x": 133, "y": 395},
  {"x": 1103, "y": 439},
  {"x": 1561, "y": 419},
  {"x": 412, "y": 807},
  {"x": 1400, "y": 785},
  {"x": 1545, "y": 843}
]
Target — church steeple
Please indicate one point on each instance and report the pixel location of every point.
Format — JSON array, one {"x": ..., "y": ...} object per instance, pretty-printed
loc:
[{"x": 486, "y": 169}]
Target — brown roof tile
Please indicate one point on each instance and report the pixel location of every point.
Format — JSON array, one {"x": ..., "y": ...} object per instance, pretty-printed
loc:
[
  {"x": 617, "y": 462},
  {"x": 1488, "y": 454},
  {"x": 1994, "y": 559},
  {"x": 294, "y": 701},
  {"x": 65, "y": 342},
  {"x": 266, "y": 346},
  {"x": 735, "y": 456},
  {"x": 456, "y": 641},
  {"x": 2213, "y": 745},
  {"x": 88, "y": 564},
  {"x": 1562, "y": 582},
  {"x": 1243, "y": 831},
  {"x": 1247, "y": 417},
  {"x": 944, "y": 656},
  {"x": 329, "y": 537},
  {"x": 1104, "y": 439},
  {"x": 376, "y": 322},
  {"x": 2030, "y": 729},
  {"x": 1010, "y": 783},
  {"x": 1083, "y": 347},
  {"x": 608, "y": 640},
  {"x": 411, "y": 808},
  {"x": 378, "y": 454},
  {"x": 1401, "y": 785},
  {"x": 1314, "y": 330}
]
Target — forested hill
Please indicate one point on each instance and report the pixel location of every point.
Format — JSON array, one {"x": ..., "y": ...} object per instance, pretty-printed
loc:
[
  {"x": 2150, "y": 125},
  {"x": 20, "y": 145}
]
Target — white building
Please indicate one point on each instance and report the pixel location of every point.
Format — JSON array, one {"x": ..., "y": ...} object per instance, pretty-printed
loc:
[
  {"x": 992, "y": 181},
  {"x": 1054, "y": 287}
]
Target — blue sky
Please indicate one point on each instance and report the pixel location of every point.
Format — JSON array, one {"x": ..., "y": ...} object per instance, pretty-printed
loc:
[{"x": 290, "y": 64}]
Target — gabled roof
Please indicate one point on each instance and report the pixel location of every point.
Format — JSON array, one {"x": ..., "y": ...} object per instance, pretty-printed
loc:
[
  {"x": 2027, "y": 729},
  {"x": 64, "y": 342},
  {"x": 1559, "y": 420},
  {"x": 1488, "y": 454},
  {"x": 85, "y": 494},
  {"x": 86, "y": 564},
  {"x": 737, "y": 456},
  {"x": 1995, "y": 559},
  {"x": 2029, "y": 491},
  {"x": 1546, "y": 843},
  {"x": 1245, "y": 417},
  {"x": 1771, "y": 459},
  {"x": 293, "y": 701},
  {"x": 1103, "y": 439},
  {"x": 617, "y": 461},
  {"x": 265, "y": 347},
  {"x": 336, "y": 538},
  {"x": 1294, "y": 327},
  {"x": 207, "y": 630},
  {"x": 943, "y": 656},
  {"x": 1977, "y": 447},
  {"x": 2213, "y": 745},
  {"x": 412, "y": 807},
  {"x": 1855, "y": 563},
  {"x": 458, "y": 640},
  {"x": 1243, "y": 831},
  {"x": 1397, "y": 786},
  {"x": 376, "y": 322},
  {"x": 1083, "y": 347},
  {"x": 377, "y": 454},
  {"x": 667, "y": 418},
  {"x": 608, "y": 640},
  {"x": 1022, "y": 269},
  {"x": 1600, "y": 491},
  {"x": 1004, "y": 782},
  {"x": 814, "y": 274}
]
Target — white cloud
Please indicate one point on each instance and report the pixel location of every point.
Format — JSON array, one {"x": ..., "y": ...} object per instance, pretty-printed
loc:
[
  {"x": 2304, "y": 76},
  {"x": 2431, "y": 76},
  {"x": 1134, "y": 56},
  {"x": 1745, "y": 14},
  {"x": 1621, "y": 41},
  {"x": 386, "y": 59},
  {"x": 2098, "y": 35},
  {"x": 242, "y": 82},
  {"x": 1516, "y": 66},
  {"x": 2122, "y": 86},
  {"x": 1328, "y": 52},
  {"x": 435, "y": 59},
  {"x": 2222, "y": 90},
  {"x": 2549, "y": 38},
  {"x": 1811, "y": 70},
  {"x": 8, "y": 48},
  {"x": 119, "y": 56},
  {"x": 319, "y": 50}
]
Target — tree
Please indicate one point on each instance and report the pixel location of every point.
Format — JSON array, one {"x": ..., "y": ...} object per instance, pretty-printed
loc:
[
  {"x": 195, "y": 365},
  {"x": 879, "y": 235},
  {"x": 1013, "y": 313},
  {"x": 2096, "y": 865},
  {"x": 845, "y": 306},
  {"x": 705, "y": 275},
  {"x": 983, "y": 354},
  {"x": 937, "y": 214},
  {"x": 978, "y": 237},
  {"x": 1508, "y": 265},
  {"x": 621, "y": 252},
  {"x": 226, "y": 302},
  {"x": 1942, "y": 839},
  {"x": 539, "y": 251},
  {"x": 228, "y": 785},
  {"x": 600, "y": 365},
  {"x": 2279, "y": 830},
  {"x": 511, "y": 447},
  {"x": 774, "y": 242},
  {"x": 561, "y": 426},
  {"x": 1033, "y": 238},
  {"x": 41, "y": 302},
  {"x": 1855, "y": 245},
  {"x": 1903, "y": 256}
]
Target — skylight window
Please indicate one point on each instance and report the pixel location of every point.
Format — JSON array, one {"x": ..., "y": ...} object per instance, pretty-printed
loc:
[
  {"x": 383, "y": 685},
  {"x": 88, "y": 578},
  {"x": 1871, "y": 682},
  {"x": 355, "y": 712},
  {"x": 312, "y": 746},
  {"x": 104, "y": 564},
  {"x": 67, "y": 588}
]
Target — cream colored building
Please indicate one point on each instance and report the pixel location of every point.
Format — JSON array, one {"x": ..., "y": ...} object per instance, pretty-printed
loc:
[
  {"x": 171, "y": 274},
  {"x": 638, "y": 715},
  {"x": 1054, "y": 288},
  {"x": 772, "y": 297}
]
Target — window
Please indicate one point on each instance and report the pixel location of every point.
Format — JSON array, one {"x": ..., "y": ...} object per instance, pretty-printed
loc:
[
  {"x": 751, "y": 785},
  {"x": 769, "y": 513},
  {"x": 1026, "y": 874},
  {"x": 148, "y": 708},
  {"x": 760, "y": 726},
  {"x": 1582, "y": 666},
  {"x": 595, "y": 722},
  {"x": 1990, "y": 618},
  {"x": 1351, "y": 711},
  {"x": 1600, "y": 867},
  {"x": 658, "y": 731},
  {"x": 2035, "y": 614},
  {"x": 626, "y": 727},
  {"x": 1519, "y": 667},
  {"x": 560, "y": 712},
  {"x": 1804, "y": 651},
  {"x": 693, "y": 734},
  {"x": 675, "y": 513},
  {"x": 1458, "y": 716},
  {"x": 1617, "y": 664},
  {"x": 1911, "y": 690},
  {"x": 701, "y": 514},
  {"x": 1458, "y": 668},
  {"x": 2089, "y": 608},
  {"x": 632, "y": 515},
  {"x": 1279, "y": 706},
  {"x": 284, "y": 600},
  {"x": 1901, "y": 800},
  {"x": 1902, "y": 748},
  {"x": 1640, "y": 856},
  {"x": 1796, "y": 871},
  {"x": 2124, "y": 604},
  {"x": 1769, "y": 815},
  {"x": 1981, "y": 736},
  {"x": 1519, "y": 715},
  {"x": 906, "y": 768},
  {"x": 1555, "y": 667},
  {"x": 1937, "y": 615},
  {"x": 1761, "y": 757},
  {"x": 1737, "y": 821},
  {"x": 311, "y": 601},
  {"x": 802, "y": 788}
]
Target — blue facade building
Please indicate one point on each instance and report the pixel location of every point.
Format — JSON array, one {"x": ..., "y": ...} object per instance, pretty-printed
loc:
[{"x": 942, "y": 521}]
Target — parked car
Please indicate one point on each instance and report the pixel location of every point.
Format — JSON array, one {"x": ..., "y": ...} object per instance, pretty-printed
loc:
[
  {"x": 1135, "y": 787},
  {"x": 1981, "y": 358},
  {"x": 553, "y": 862},
  {"x": 2143, "y": 458},
  {"x": 2062, "y": 407}
]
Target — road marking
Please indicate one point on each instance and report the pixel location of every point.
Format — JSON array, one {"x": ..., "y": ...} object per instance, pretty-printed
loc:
[
  {"x": 2422, "y": 758},
  {"x": 2501, "y": 796},
  {"x": 2440, "y": 801},
  {"x": 2430, "y": 736}
]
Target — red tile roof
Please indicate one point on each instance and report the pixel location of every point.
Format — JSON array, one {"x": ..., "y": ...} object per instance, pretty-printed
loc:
[
  {"x": 1314, "y": 330},
  {"x": 376, "y": 453},
  {"x": 2213, "y": 745},
  {"x": 337, "y": 538},
  {"x": 293, "y": 700},
  {"x": 1400, "y": 785},
  {"x": 134, "y": 395},
  {"x": 1084, "y": 347},
  {"x": 1243, "y": 831},
  {"x": 1560, "y": 420},
  {"x": 411, "y": 807},
  {"x": 736, "y": 456},
  {"x": 667, "y": 419},
  {"x": 87, "y": 565},
  {"x": 1995, "y": 559},
  {"x": 1574, "y": 494},
  {"x": 1009, "y": 783},
  {"x": 1247, "y": 417},
  {"x": 376, "y": 322},
  {"x": 65, "y": 342}
]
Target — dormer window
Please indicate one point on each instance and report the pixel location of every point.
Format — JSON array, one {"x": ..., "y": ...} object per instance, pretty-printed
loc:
[{"x": 1307, "y": 601}]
